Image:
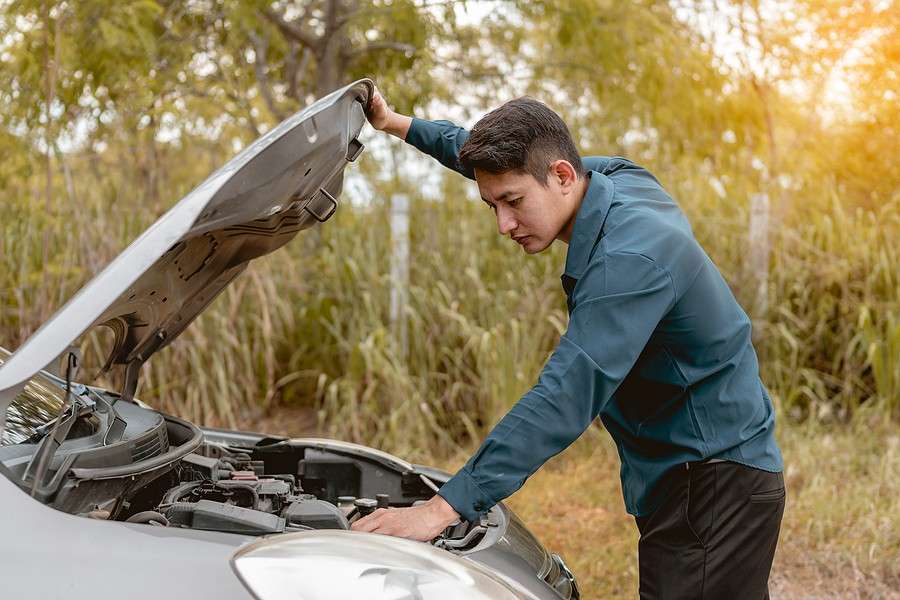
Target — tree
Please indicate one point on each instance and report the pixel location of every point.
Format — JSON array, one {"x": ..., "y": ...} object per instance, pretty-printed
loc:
[
  {"x": 857, "y": 51},
  {"x": 634, "y": 77}
]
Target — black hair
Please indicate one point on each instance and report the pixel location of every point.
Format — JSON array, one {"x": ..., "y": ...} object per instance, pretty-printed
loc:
[{"x": 522, "y": 135}]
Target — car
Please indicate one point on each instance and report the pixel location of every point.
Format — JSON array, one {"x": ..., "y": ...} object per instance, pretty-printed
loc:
[{"x": 105, "y": 497}]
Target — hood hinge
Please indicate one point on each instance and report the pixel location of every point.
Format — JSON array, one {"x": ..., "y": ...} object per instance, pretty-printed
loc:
[{"x": 313, "y": 206}]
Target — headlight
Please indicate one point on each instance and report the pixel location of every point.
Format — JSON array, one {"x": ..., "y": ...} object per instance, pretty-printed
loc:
[{"x": 337, "y": 565}]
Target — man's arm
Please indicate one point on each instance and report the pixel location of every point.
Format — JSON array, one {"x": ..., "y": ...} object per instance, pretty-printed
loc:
[
  {"x": 443, "y": 139},
  {"x": 440, "y": 139},
  {"x": 382, "y": 118},
  {"x": 627, "y": 295}
]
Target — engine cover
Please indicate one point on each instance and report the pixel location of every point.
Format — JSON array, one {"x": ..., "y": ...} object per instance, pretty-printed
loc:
[{"x": 316, "y": 514}]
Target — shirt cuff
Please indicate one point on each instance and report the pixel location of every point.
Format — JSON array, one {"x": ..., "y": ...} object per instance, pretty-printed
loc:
[{"x": 465, "y": 496}]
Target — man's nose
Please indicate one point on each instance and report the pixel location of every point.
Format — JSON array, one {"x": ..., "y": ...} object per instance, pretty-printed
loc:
[{"x": 505, "y": 221}]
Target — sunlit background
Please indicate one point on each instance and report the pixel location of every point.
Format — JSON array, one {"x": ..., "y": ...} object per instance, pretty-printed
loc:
[{"x": 773, "y": 123}]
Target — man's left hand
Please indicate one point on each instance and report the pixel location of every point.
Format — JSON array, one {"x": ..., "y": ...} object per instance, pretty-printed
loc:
[{"x": 422, "y": 523}]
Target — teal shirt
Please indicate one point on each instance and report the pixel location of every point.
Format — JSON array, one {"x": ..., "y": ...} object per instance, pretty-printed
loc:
[{"x": 656, "y": 346}]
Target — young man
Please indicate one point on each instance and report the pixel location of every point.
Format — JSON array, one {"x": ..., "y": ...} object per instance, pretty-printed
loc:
[{"x": 656, "y": 346}]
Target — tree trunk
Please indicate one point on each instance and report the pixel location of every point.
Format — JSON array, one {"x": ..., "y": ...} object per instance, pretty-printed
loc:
[
  {"x": 329, "y": 66},
  {"x": 50, "y": 69}
]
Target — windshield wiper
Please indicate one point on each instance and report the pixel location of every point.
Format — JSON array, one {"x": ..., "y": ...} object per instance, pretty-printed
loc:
[
  {"x": 86, "y": 406},
  {"x": 73, "y": 408}
]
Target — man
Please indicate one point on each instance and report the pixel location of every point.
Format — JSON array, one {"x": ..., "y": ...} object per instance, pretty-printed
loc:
[{"x": 656, "y": 346}]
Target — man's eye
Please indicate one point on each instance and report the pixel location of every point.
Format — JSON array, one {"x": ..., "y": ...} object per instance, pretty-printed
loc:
[{"x": 515, "y": 202}]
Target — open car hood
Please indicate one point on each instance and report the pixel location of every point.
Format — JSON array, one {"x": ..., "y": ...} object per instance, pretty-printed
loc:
[{"x": 286, "y": 181}]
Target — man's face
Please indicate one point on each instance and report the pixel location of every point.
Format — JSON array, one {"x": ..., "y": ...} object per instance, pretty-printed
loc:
[{"x": 531, "y": 214}]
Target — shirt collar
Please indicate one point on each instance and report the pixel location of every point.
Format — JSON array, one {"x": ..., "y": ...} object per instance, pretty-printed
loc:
[{"x": 588, "y": 223}]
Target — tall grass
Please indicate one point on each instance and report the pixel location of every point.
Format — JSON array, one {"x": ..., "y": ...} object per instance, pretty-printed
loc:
[{"x": 308, "y": 326}]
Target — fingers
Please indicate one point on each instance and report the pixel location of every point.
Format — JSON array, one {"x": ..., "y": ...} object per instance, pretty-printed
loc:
[
  {"x": 378, "y": 112},
  {"x": 379, "y": 98},
  {"x": 376, "y": 104},
  {"x": 385, "y": 522},
  {"x": 369, "y": 523},
  {"x": 410, "y": 523}
]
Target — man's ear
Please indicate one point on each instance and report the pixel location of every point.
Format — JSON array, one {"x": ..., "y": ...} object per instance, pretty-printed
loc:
[{"x": 564, "y": 173}]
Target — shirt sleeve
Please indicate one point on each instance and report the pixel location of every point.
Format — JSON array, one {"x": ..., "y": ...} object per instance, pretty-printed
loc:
[
  {"x": 440, "y": 139},
  {"x": 443, "y": 140},
  {"x": 625, "y": 296}
]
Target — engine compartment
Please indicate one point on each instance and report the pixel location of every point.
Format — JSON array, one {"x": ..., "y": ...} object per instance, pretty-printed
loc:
[
  {"x": 283, "y": 486},
  {"x": 138, "y": 465},
  {"x": 162, "y": 471}
]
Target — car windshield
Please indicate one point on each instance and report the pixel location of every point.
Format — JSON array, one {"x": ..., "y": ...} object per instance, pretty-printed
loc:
[{"x": 35, "y": 406}]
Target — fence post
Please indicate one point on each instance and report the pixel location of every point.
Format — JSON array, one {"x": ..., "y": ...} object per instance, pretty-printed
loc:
[
  {"x": 399, "y": 270},
  {"x": 758, "y": 256}
]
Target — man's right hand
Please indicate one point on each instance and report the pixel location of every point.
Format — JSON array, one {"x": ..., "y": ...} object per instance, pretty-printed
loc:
[{"x": 384, "y": 119}]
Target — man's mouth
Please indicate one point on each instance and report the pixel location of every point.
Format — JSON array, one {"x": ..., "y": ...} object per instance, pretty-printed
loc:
[{"x": 521, "y": 239}]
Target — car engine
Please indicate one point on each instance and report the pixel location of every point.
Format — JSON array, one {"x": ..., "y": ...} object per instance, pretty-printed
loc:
[
  {"x": 233, "y": 494},
  {"x": 224, "y": 489}
]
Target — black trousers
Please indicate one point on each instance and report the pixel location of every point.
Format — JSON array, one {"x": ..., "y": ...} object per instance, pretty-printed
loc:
[{"x": 714, "y": 536}]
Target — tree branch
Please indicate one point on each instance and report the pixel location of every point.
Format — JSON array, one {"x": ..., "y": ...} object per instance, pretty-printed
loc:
[
  {"x": 375, "y": 10},
  {"x": 260, "y": 46},
  {"x": 292, "y": 30},
  {"x": 373, "y": 46},
  {"x": 301, "y": 69},
  {"x": 291, "y": 67}
]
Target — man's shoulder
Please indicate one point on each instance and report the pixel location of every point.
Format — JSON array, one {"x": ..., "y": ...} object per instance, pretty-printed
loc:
[
  {"x": 608, "y": 165},
  {"x": 656, "y": 231}
]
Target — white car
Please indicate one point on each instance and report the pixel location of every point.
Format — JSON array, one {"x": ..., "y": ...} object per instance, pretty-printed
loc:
[{"x": 104, "y": 497}]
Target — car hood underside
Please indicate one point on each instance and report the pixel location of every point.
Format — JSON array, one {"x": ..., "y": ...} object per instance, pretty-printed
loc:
[{"x": 284, "y": 182}]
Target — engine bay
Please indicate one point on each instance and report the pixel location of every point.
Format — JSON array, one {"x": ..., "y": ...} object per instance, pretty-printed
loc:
[
  {"x": 283, "y": 486},
  {"x": 124, "y": 461}
]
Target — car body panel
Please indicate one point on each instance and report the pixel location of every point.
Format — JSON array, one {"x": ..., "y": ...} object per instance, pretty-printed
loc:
[{"x": 47, "y": 553}]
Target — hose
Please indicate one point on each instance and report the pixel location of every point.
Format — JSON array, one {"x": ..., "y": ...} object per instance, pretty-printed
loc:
[
  {"x": 180, "y": 491},
  {"x": 150, "y": 517},
  {"x": 175, "y": 494}
]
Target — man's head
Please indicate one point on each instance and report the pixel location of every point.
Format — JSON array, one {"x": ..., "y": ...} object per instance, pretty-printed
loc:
[{"x": 528, "y": 170}]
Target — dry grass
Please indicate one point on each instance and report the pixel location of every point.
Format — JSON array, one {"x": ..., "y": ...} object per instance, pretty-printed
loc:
[
  {"x": 840, "y": 535},
  {"x": 309, "y": 325},
  {"x": 575, "y": 507}
]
